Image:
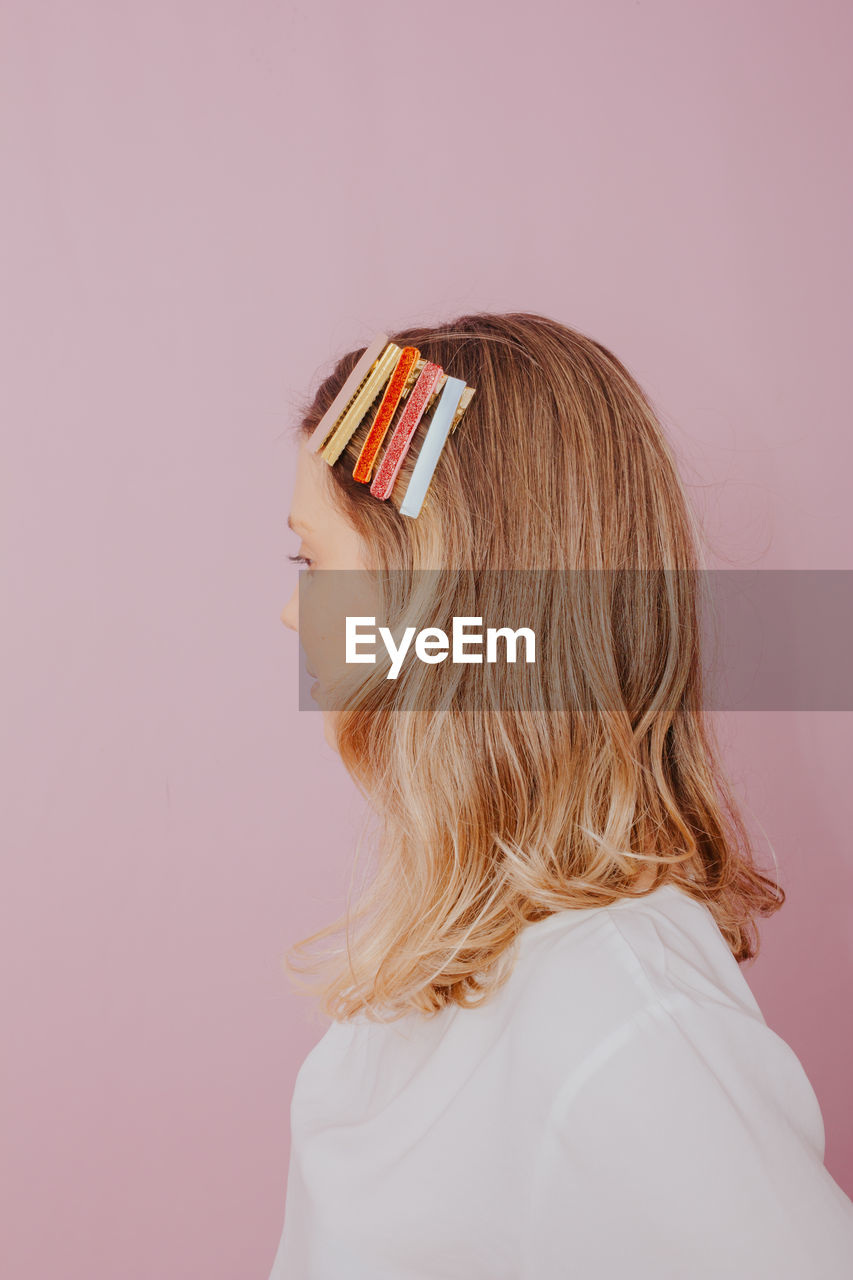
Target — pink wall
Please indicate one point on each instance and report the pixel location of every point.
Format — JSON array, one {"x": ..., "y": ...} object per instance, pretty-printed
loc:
[{"x": 198, "y": 215}]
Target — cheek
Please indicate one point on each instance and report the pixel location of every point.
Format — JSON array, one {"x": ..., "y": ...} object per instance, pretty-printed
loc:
[
  {"x": 328, "y": 598},
  {"x": 322, "y": 625},
  {"x": 315, "y": 637}
]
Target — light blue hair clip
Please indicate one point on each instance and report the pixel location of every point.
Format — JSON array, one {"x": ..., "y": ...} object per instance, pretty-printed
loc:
[{"x": 445, "y": 416}]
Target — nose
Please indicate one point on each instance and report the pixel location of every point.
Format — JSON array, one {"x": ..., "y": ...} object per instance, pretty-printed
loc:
[{"x": 290, "y": 613}]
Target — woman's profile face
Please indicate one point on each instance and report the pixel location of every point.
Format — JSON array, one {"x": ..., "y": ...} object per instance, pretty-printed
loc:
[{"x": 327, "y": 541}]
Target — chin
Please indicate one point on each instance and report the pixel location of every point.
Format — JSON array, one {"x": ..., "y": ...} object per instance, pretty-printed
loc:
[{"x": 329, "y": 728}]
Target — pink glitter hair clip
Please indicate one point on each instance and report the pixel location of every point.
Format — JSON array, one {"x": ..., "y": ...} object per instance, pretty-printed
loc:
[{"x": 405, "y": 379}]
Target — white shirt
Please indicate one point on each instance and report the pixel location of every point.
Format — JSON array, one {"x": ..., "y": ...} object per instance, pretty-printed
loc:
[{"x": 619, "y": 1108}]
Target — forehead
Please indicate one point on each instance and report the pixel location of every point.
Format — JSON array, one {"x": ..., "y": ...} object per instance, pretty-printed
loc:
[
  {"x": 315, "y": 516},
  {"x": 311, "y": 505},
  {"x": 314, "y": 512}
]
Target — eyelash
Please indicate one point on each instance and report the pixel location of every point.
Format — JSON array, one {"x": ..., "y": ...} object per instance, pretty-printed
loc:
[{"x": 301, "y": 560}]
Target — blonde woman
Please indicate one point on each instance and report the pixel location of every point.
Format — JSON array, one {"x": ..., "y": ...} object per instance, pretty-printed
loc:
[{"x": 544, "y": 1059}]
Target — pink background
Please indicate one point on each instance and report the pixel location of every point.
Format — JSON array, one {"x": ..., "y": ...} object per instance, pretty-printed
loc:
[{"x": 204, "y": 204}]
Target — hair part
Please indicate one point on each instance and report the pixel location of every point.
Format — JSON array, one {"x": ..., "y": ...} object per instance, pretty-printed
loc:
[{"x": 493, "y": 819}]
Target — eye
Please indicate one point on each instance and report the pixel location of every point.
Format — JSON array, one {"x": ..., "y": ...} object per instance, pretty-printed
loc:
[{"x": 301, "y": 560}]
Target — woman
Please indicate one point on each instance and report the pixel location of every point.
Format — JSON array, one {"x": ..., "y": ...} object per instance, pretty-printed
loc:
[{"x": 544, "y": 1059}]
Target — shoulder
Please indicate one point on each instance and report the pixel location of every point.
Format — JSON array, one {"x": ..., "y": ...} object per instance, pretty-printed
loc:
[
  {"x": 663, "y": 1090},
  {"x": 647, "y": 985},
  {"x": 634, "y": 952},
  {"x": 697, "y": 1126}
]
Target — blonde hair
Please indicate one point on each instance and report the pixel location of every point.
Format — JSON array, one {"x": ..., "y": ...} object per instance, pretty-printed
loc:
[{"x": 497, "y": 818}]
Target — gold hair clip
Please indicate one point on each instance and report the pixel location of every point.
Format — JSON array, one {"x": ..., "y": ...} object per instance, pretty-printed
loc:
[
  {"x": 361, "y": 402},
  {"x": 347, "y": 392}
]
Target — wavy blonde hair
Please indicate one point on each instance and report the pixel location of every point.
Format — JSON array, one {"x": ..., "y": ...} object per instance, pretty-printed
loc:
[{"x": 494, "y": 819}]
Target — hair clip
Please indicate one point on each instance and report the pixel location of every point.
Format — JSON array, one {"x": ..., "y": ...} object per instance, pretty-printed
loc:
[
  {"x": 410, "y": 378},
  {"x": 401, "y": 381},
  {"x": 443, "y": 420},
  {"x": 360, "y": 403},
  {"x": 431, "y": 379},
  {"x": 347, "y": 392}
]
